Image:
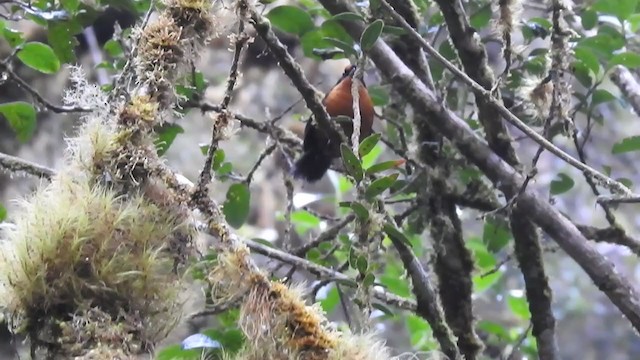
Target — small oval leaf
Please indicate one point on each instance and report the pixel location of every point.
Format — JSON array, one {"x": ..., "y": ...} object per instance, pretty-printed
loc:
[
  {"x": 361, "y": 212},
  {"x": 166, "y": 135},
  {"x": 236, "y": 206},
  {"x": 362, "y": 264},
  {"x": 386, "y": 165},
  {"x": 378, "y": 186},
  {"x": 348, "y": 16},
  {"x": 368, "y": 144},
  {"x": 291, "y": 19},
  {"x": 562, "y": 184},
  {"x": 22, "y": 118},
  {"x": 382, "y": 308},
  {"x": 371, "y": 34},
  {"x": 395, "y": 234},
  {"x": 628, "y": 144},
  {"x": 39, "y": 56},
  {"x": 630, "y": 60},
  {"x": 351, "y": 163}
]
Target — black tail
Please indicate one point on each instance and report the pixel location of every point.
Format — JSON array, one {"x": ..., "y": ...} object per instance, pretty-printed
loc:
[{"x": 312, "y": 165}]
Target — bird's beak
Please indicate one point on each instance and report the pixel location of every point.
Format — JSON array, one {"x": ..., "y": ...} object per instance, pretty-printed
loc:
[{"x": 352, "y": 72}]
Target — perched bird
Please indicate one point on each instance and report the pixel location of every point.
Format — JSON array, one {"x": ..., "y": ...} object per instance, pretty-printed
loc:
[{"x": 319, "y": 149}]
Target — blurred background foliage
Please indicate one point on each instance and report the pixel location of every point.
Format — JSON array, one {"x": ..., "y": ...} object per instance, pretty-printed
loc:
[{"x": 40, "y": 38}]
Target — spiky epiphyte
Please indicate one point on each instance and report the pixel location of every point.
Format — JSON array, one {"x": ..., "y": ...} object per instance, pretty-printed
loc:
[
  {"x": 141, "y": 111},
  {"x": 78, "y": 247},
  {"x": 275, "y": 314},
  {"x": 160, "y": 53},
  {"x": 536, "y": 94},
  {"x": 195, "y": 16},
  {"x": 509, "y": 13},
  {"x": 359, "y": 347}
]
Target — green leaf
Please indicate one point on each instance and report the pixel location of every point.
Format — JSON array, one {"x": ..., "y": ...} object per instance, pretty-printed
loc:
[
  {"x": 395, "y": 234},
  {"x": 589, "y": 19},
  {"x": 381, "y": 307},
  {"x": 361, "y": 212},
  {"x": 368, "y": 280},
  {"x": 371, "y": 158},
  {"x": 495, "y": 235},
  {"x": 379, "y": 95},
  {"x": 481, "y": 284},
  {"x": 3, "y": 213},
  {"x": 371, "y": 34},
  {"x": 634, "y": 21},
  {"x": 305, "y": 217},
  {"x": 313, "y": 255},
  {"x": 231, "y": 340},
  {"x": 378, "y": 186},
  {"x": 61, "y": 39},
  {"x": 224, "y": 169},
  {"x": 70, "y": 5},
  {"x": 218, "y": 156},
  {"x": 393, "y": 30},
  {"x": 39, "y": 56},
  {"x": 333, "y": 29},
  {"x": 631, "y": 143},
  {"x": 601, "y": 96},
  {"x": 519, "y": 306},
  {"x": 628, "y": 59},
  {"x": 386, "y": 165},
  {"x": 586, "y": 56},
  {"x": 620, "y": 8},
  {"x": 348, "y": 16},
  {"x": 561, "y": 184},
  {"x": 237, "y": 205},
  {"x": 625, "y": 181},
  {"x": 351, "y": 163},
  {"x": 484, "y": 259},
  {"x": 603, "y": 44},
  {"x": 346, "y": 47},
  {"x": 166, "y": 135},
  {"x": 291, "y": 19},
  {"x": 481, "y": 18},
  {"x": 113, "y": 48},
  {"x": 393, "y": 280},
  {"x": 312, "y": 41},
  {"x": 175, "y": 352},
  {"x": 331, "y": 301},
  {"x": 368, "y": 144},
  {"x": 22, "y": 118},
  {"x": 362, "y": 264},
  {"x": 494, "y": 328},
  {"x": 13, "y": 37}
]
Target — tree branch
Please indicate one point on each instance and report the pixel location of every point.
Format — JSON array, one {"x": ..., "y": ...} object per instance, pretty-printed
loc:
[
  {"x": 15, "y": 165},
  {"x": 606, "y": 181},
  {"x": 601, "y": 270},
  {"x": 33, "y": 92}
]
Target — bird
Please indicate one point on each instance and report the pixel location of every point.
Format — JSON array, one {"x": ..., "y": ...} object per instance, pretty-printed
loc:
[{"x": 318, "y": 148}]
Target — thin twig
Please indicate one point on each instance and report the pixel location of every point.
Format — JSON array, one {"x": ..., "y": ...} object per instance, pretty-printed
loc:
[
  {"x": 255, "y": 167},
  {"x": 16, "y": 165},
  {"x": 512, "y": 352},
  {"x": 326, "y": 235},
  {"x": 291, "y": 68},
  {"x": 33, "y": 92},
  {"x": 222, "y": 117},
  {"x": 326, "y": 273},
  {"x": 606, "y": 181}
]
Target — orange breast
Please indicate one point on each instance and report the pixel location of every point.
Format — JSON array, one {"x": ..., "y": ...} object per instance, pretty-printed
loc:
[{"x": 340, "y": 102}]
